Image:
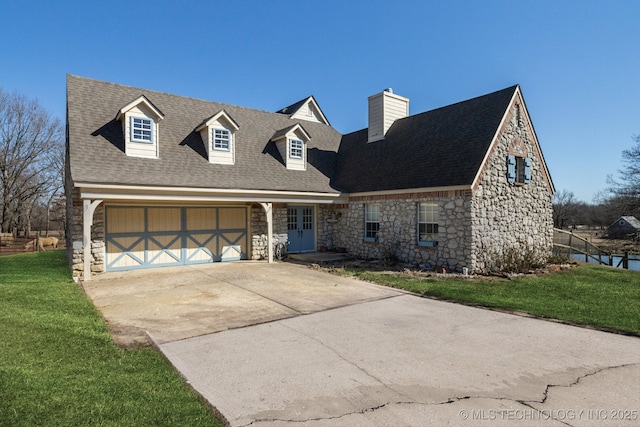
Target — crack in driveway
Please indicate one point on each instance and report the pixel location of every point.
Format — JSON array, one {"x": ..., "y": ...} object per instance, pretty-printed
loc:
[{"x": 450, "y": 400}]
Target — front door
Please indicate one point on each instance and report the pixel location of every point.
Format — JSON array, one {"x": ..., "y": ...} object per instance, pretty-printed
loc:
[{"x": 300, "y": 228}]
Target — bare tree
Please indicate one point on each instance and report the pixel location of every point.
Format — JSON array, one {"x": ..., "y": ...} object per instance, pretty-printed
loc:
[
  {"x": 565, "y": 208},
  {"x": 625, "y": 191},
  {"x": 29, "y": 142}
]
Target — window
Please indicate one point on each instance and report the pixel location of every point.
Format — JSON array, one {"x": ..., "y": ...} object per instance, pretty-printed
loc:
[
  {"x": 141, "y": 130},
  {"x": 221, "y": 139},
  {"x": 518, "y": 169},
  {"x": 428, "y": 218},
  {"x": 371, "y": 222},
  {"x": 295, "y": 148}
]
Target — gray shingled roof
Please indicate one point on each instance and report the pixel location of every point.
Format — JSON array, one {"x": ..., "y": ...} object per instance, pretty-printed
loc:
[
  {"x": 97, "y": 145},
  {"x": 441, "y": 147}
]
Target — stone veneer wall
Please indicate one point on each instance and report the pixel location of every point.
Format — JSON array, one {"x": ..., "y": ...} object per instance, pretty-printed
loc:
[
  {"x": 74, "y": 237},
  {"x": 512, "y": 218},
  {"x": 397, "y": 235},
  {"x": 259, "y": 249}
]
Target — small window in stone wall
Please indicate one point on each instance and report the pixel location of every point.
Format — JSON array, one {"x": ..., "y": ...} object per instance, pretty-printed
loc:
[
  {"x": 428, "y": 219},
  {"x": 371, "y": 222},
  {"x": 518, "y": 169}
]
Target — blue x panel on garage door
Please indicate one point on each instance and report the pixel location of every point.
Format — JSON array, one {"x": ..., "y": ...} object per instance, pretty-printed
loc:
[{"x": 145, "y": 237}]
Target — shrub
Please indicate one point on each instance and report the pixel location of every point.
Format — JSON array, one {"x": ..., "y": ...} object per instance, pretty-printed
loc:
[{"x": 517, "y": 260}]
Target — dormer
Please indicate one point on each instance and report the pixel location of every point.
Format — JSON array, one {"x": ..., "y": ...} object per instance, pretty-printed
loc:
[
  {"x": 140, "y": 120},
  {"x": 384, "y": 109},
  {"x": 306, "y": 109},
  {"x": 218, "y": 135},
  {"x": 292, "y": 145}
]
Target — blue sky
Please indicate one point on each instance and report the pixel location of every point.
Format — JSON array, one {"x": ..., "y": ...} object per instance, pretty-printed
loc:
[{"x": 578, "y": 62}]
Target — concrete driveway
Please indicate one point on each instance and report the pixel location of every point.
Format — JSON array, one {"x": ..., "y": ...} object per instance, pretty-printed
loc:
[
  {"x": 380, "y": 357},
  {"x": 175, "y": 303}
]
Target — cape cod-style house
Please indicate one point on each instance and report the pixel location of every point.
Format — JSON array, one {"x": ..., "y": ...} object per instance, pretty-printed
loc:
[{"x": 155, "y": 179}]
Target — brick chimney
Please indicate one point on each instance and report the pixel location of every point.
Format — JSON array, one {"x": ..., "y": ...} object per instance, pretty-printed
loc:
[{"x": 384, "y": 109}]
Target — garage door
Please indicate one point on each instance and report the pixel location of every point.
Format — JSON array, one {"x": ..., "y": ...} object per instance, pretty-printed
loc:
[{"x": 145, "y": 237}]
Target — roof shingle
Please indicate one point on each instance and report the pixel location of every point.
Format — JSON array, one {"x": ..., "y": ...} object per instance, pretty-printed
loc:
[{"x": 441, "y": 147}]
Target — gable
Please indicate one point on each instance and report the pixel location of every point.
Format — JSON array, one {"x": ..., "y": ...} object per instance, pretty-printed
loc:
[
  {"x": 305, "y": 109},
  {"x": 529, "y": 151}
]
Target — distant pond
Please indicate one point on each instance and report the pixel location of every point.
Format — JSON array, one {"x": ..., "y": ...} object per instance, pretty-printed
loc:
[{"x": 634, "y": 263}]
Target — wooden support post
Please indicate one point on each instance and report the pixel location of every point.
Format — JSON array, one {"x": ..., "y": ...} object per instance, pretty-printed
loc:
[
  {"x": 268, "y": 210},
  {"x": 586, "y": 251},
  {"x": 37, "y": 241},
  {"x": 625, "y": 260}
]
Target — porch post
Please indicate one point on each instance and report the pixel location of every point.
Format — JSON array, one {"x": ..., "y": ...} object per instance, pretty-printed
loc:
[
  {"x": 88, "y": 208},
  {"x": 268, "y": 209}
]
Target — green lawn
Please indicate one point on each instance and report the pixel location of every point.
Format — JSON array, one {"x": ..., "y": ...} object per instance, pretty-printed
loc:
[
  {"x": 603, "y": 297},
  {"x": 58, "y": 365}
]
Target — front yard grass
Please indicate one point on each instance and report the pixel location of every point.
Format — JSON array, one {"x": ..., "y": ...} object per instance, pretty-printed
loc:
[
  {"x": 59, "y": 366},
  {"x": 601, "y": 297}
]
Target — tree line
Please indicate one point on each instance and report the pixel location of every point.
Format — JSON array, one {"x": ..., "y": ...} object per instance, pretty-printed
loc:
[
  {"x": 31, "y": 166},
  {"x": 621, "y": 197}
]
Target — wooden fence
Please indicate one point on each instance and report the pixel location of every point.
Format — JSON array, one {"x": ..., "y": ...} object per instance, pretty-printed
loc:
[{"x": 565, "y": 243}]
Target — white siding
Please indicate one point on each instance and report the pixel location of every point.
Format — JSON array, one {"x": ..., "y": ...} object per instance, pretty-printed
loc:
[
  {"x": 394, "y": 108},
  {"x": 140, "y": 149},
  {"x": 384, "y": 109},
  {"x": 219, "y": 156},
  {"x": 376, "y": 111},
  {"x": 283, "y": 148},
  {"x": 307, "y": 112}
]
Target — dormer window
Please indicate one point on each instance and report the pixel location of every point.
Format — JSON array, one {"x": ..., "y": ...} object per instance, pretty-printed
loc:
[
  {"x": 296, "y": 149},
  {"x": 217, "y": 133},
  {"x": 292, "y": 145},
  {"x": 140, "y": 128},
  {"x": 221, "y": 139}
]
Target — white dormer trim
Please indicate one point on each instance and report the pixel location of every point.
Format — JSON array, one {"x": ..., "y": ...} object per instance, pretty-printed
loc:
[
  {"x": 141, "y": 100},
  {"x": 140, "y": 128},
  {"x": 310, "y": 111},
  {"x": 220, "y": 121},
  {"x": 288, "y": 142},
  {"x": 307, "y": 109}
]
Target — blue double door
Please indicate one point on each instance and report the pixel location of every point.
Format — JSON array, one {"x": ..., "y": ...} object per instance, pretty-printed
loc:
[{"x": 300, "y": 228}]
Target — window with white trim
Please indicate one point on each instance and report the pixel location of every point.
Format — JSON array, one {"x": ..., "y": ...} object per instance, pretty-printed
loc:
[
  {"x": 428, "y": 219},
  {"x": 371, "y": 222},
  {"x": 295, "y": 149},
  {"x": 141, "y": 130},
  {"x": 221, "y": 139}
]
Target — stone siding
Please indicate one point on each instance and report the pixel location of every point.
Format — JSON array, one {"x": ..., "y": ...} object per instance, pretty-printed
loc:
[
  {"x": 75, "y": 250},
  {"x": 398, "y": 232},
  {"x": 512, "y": 220},
  {"x": 258, "y": 230}
]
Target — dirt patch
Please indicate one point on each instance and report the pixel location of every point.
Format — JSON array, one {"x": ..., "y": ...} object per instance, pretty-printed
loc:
[
  {"x": 410, "y": 270},
  {"x": 127, "y": 336}
]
